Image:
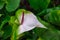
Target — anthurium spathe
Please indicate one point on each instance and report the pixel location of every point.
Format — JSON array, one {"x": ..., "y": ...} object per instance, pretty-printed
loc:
[{"x": 27, "y": 20}]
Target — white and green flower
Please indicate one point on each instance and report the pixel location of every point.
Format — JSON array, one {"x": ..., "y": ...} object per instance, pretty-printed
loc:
[{"x": 27, "y": 20}]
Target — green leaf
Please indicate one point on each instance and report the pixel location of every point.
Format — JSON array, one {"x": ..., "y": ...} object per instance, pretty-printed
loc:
[
  {"x": 12, "y": 5},
  {"x": 6, "y": 19},
  {"x": 39, "y": 38},
  {"x": 1, "y": 33},
  {"x": 47, "y": 34},
  {"x": 13, "y": 20},
  {"x": 47, "y": 11},
  {"x": 7, "y": 31},
  {"x": 14, "y": 25},
  {"x": 14, "y": 32},
  {"x": 53, "y": 17},
  {"x": 39, "y": 4},
  {"x": 1, "y": 15},
  {"x": 39, "y": 31},
  {"x": 44, "y": 12},
  {"x": 1, "y": 4},
  {"x": 50, "y": 35},
  {"x": 48, "y": 25}
]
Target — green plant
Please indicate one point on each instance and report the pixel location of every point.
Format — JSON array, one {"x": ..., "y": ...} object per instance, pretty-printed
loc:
[{"x": 29, "y": 20}]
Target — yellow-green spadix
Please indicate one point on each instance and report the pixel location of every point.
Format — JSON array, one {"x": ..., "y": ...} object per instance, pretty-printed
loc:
[{"x": 30, "y": 21}]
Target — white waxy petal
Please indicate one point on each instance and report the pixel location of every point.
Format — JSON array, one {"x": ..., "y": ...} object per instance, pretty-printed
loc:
[
  {"x": 24, "y": 28},
  {"x": 30, "y": 22},
  {"x": 40, "y": 25}
]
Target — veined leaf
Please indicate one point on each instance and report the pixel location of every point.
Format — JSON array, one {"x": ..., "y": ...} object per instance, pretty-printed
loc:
[
  {"x": 47, "y": 11},
  {"x": 53, "y": 17}
]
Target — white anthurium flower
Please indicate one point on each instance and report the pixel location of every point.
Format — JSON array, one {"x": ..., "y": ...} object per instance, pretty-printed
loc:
[{"x": 29, "y": 20}]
